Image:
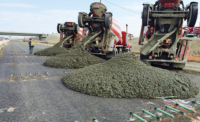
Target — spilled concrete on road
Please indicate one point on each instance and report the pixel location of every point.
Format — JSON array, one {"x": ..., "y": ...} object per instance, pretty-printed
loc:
[
  {"x": 125, "y": 76},
  {"x": 76, "y": 57},
  {"x": 52, "y": 51}
]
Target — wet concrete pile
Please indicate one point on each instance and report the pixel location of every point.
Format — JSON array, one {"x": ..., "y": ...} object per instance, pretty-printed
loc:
[
  {"x": 52, "y": 51},
  {"x": 125, "y": 76},
  {"x": 76, "y": 57}
]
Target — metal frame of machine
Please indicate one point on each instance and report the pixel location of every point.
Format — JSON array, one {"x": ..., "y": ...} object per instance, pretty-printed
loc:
[
  {"x": 164, "y": 20},
  {"x": 108, "y": 42},
  {"x": 67, "y": 29}
]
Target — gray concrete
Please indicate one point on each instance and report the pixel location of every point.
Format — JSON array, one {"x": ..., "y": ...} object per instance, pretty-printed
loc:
[{"x": 48, "y": 100}]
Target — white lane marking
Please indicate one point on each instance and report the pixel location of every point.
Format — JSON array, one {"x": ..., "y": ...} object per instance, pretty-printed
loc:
[
  {"x": 150, "y": 103},
  {"x": 11, "y": 109},
  {"x": 1, "y": 110},
  {"x": 159, "y": 114},
  {"x": 132, "y": 119},
  {"x": 148, "y": 116}
]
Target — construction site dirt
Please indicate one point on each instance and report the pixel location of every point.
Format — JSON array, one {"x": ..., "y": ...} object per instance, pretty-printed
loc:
[
  {"x": 1, "y": 52},
  {"x": 33, "y": 92}
]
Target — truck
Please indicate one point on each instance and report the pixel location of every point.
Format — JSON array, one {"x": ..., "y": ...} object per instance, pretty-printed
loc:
[
  {"x": 72, "y": 30},
  {"x": 108, "y": 40},
  {"x": 164, "y": 20}
]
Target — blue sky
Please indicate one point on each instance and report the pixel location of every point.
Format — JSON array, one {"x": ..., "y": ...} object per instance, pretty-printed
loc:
[{"x": 42, "y": 16}]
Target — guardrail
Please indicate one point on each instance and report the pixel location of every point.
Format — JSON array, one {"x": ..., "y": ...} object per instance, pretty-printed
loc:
[{"x": 3, "y": 43}]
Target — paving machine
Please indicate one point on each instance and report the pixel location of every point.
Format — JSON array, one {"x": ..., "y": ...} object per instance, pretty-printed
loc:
[
  {"x": 108, "y": 40},
  {"x": 164, "y": 20},
  {"x": 72, "y": 30}
]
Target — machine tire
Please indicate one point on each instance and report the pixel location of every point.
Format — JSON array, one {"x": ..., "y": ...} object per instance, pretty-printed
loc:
[
  {"x": 115, "y": 52},
  {"x": 59, "y": 28},
  {"x": 108, "y": 20},
  {"x": 178, "y": 66},
  {"x": 119, "y": 50},
  {"x": 144, "y": 57},
  {"x": 80, "y": 20},
  {"x": 193, "y": 13},
  {"x": 112, "y": 54},
  {"x": 145, "y": 15},
  {"x": 76, "y": 29},
  {"x": 129, "y": 50}
]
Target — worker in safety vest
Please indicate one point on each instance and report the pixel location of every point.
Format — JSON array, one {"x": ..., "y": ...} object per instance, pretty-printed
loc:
[{"x": 31, "y": 45}]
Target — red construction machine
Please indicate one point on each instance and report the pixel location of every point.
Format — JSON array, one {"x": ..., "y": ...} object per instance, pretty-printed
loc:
[
  {"x": 164, "y": 20},
  {"x": 105, "y": 36},
  {"x": 72, "y": 30}
]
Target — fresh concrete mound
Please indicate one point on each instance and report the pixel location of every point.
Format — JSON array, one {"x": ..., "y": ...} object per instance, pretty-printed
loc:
[
  {"x": 125, "y": 76},
  {"x": 76, "y": 57},
  {"x": 52, "y": 51}
]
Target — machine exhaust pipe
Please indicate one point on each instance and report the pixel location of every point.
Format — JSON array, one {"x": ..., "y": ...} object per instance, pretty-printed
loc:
[{"x": 126, "y": 34}]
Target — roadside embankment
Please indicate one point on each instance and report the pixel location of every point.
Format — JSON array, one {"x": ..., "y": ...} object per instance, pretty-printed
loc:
[{"x": 3, "y": 44}]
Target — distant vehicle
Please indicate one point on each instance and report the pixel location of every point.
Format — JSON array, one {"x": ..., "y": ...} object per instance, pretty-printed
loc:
[
  {"x": 108, "y": 39},
  {"x": 67, "y": 29},
  {"x": 0, "y": 40}
]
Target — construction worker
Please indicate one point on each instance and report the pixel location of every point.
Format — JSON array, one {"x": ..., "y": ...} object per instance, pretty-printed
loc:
[{"x": 31, "y": 45}]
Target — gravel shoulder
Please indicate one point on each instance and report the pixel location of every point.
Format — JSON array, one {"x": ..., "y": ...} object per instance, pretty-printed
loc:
[{"x": 1, "y": 51}]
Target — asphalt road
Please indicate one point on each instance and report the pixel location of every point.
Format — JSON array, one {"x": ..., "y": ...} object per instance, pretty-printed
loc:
[{"x": 38, "y": 97}]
